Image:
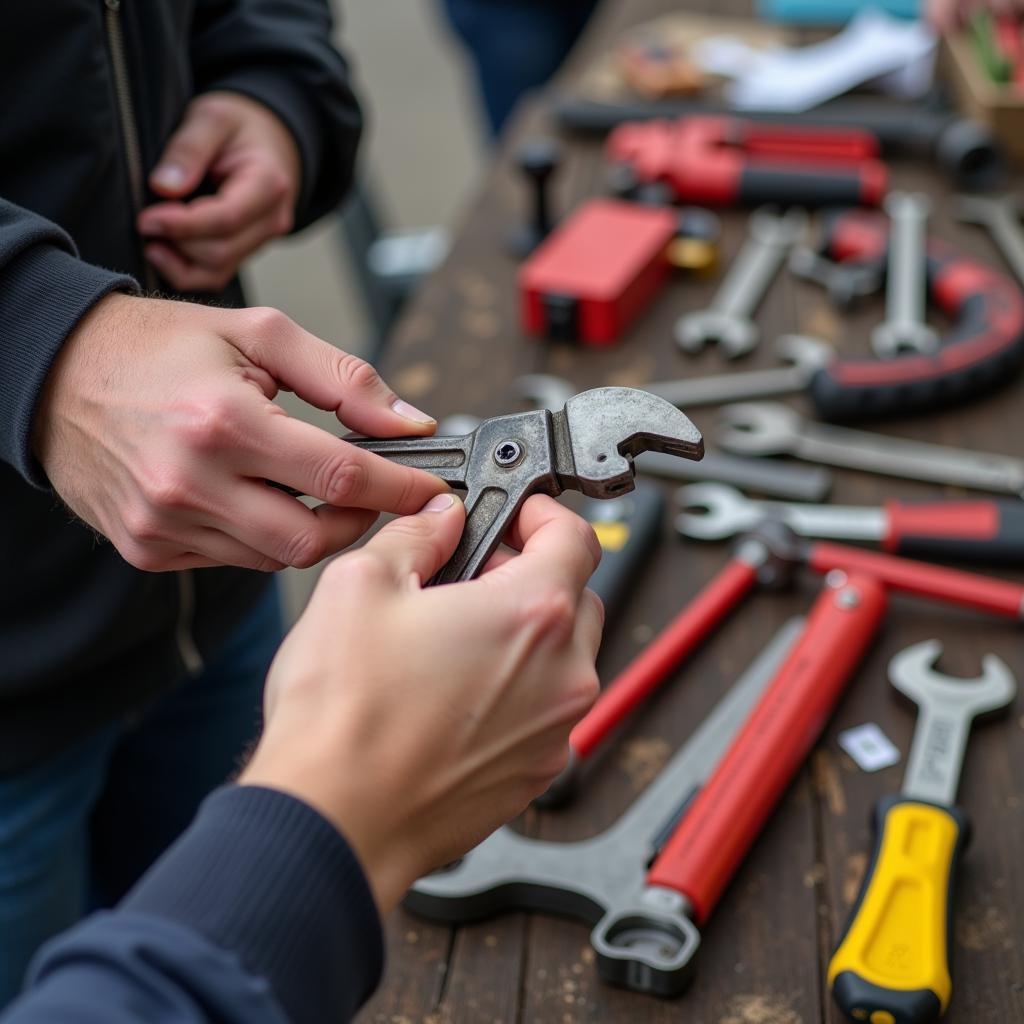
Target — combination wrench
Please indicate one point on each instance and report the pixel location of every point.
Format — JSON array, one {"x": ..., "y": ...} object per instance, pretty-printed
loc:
[
  {"x": 1001, "y": 215},
  {"x": 769, "y": 428},
  {"x": 904, "y": 328},
  {"x": 987, "y": 530},
  {"x": 728, "y": 320},
  {"x": 892, "y": 960}
]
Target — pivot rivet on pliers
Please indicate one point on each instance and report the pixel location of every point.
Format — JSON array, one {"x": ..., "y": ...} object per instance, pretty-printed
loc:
[{"x": 508, "y": 453}]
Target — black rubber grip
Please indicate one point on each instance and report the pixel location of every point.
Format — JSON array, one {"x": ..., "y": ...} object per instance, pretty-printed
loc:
[
  {"x": 959, "y": 531},
  {"x": 812, "y": 188}
]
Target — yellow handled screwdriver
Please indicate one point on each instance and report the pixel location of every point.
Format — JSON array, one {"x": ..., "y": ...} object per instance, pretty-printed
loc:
[{"x": 892, "y": 962}]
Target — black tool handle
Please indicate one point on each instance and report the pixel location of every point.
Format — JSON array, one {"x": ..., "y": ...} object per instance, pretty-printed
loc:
[
  {"x": 987, "y": 531},
  {"x": 628, "y": 529},
  {"x": 984, "y": 349},
  {"x": 818, "y": 187}
]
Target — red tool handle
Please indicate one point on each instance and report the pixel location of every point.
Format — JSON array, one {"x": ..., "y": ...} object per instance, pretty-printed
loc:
[
  {"x": 967, "y": 531},
  {"x": 645, "y": 672},
  {"x": 984, "y": 349},
  {"x": 810, "y": 145},
  {"x": 730, "y": 809},
  {"x": 952, "y": 586}
]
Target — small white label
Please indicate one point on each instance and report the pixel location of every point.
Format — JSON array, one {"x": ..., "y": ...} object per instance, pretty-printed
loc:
[{"x": 869, "y": 747}]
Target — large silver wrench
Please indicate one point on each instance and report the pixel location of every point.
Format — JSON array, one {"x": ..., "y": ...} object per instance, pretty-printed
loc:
[
  {"x": 1002, "y": 216},
  {"x": 946, "y": 708},
  {"x": 643, "y": 935},
  {"x": 729, "y": 318},
  {"x": 904, "y": 328},
  {"x": 769, "y": 428},
  {"x": 715, "y": 511}
]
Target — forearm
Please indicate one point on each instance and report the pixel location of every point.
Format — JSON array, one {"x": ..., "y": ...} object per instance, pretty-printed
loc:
[
  {"x": 45, "y": 290},
  {"x": 258, "y": 914}
]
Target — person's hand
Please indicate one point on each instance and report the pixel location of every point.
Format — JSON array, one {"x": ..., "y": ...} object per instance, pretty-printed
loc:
[
  {"x": 198, "y": 244},
  {"x": 156, "y": 426},
  {"x": 947, "y": 14},
  {"x": 419, "y": 720}
]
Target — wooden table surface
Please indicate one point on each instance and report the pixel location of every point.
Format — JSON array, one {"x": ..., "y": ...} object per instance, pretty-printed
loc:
[{"x": 765, "y": 948}]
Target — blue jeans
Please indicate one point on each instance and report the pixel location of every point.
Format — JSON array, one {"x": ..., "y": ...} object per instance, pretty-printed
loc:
[{"x": 79, "y": 829}]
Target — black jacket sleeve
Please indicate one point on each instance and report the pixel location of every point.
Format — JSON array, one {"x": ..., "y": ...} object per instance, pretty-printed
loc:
[
  {"x": 45, "y": 289},
  {"x": 259, "y": 914},
  {"x": 280, "y": 53}
]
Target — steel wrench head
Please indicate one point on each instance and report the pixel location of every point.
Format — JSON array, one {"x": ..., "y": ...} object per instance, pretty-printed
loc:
[
  {"x": 734, "y": 335},
  {"x": 770, "y": 226},
  {"x": 714, "y": 511},
  {"x": 986, "y": 210},
  {"x": 804, "y": 351},
  {"x": 893, "y": 338},
  {"x": 758, "y": 428},
  {"x": 913, "y": 673},
  {"x": 608, "y": 426}
]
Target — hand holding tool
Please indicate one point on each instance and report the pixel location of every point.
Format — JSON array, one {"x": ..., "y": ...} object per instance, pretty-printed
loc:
[
  {"x": 979, "y": 531},
  {"x": 768, "y": 428},
  {"x": 602, "y": 879},
  {"x": 723, "y": 161},
  {"x": 1001, "y": 217},
  {"x": 892, "y": 960},
  {"x": 983, "y": 350},
  {"x": 589, "y": 446},
  {"x": 904, "y": 328},
  {"x": 798, "y": 483},
  {"x": 728, "y": 320},
  {"x": 537, "y": 160}
]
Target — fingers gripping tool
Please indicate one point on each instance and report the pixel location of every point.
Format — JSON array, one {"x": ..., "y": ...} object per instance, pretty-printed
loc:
[{"x": 587, "y": 446}]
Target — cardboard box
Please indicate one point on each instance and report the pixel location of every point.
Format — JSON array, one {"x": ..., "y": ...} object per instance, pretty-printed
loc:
[{"x": 1001, "y": 107}]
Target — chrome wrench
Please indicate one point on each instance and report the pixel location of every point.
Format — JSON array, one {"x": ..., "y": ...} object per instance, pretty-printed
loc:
[
  {"x": 728, "y": 320},
  {"x": 904, "y": 328},
  {"x": 769, "y": 428},
  {"x": 1001, "y": 215}
]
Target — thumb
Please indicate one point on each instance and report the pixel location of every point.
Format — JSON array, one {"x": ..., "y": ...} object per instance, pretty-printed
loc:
[
  {"x": 190, "y": 151},
  {"x": 418, "y": 545}
]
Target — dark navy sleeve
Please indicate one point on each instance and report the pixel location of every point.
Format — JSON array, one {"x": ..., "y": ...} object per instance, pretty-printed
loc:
[
  {"x": 279, "y": 52},
  {"x": 45, "y": 289},
  {"x": 259, "y": 914}
]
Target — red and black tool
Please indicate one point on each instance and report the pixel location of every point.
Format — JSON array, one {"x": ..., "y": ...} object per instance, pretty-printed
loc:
[
  {"x": 729, "y": 161},
  {"x": 984, "y": 348}
]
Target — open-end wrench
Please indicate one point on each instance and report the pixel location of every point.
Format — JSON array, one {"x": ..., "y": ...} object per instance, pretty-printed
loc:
[
  {"x": 981, "y": 531},
  {"x": 768, "y": 428},
  {"x": 1001, "y": 215},
  {"x": 892, "y": 961},
  {"x": 588, "y": 446},
  {"x": 603, "y": 877},
  {"x": 729, "y": 318},
  {"x": 904, "y": 328},
  {"x": 797, "y": 483}
]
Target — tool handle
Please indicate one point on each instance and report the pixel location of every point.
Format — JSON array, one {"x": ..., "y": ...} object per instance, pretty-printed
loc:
[
  {"x": 627, "y": 529},
  {"x": 983, "y": 350},
  {"x": 678, "y": 639},
  {"x": 732, "y": 806},
  {"x": 952, "y": 586},
  {"x": 963, "y": 531},
  {"x": 813, "y": 185},
  {"x": 892, "y": 959}
]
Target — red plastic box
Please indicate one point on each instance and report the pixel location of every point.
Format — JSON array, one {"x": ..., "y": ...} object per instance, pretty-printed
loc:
[{"x": 595, "y": 272}]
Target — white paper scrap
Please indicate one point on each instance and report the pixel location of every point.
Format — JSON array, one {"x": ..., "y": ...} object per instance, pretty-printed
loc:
[{"x": 869, "y": 747}]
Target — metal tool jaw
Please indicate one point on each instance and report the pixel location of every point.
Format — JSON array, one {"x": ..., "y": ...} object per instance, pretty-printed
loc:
[
  {"x": 644, "y": 935},
  {"x": 588, "y": 446},
  {"x": 946, "y": 707}
]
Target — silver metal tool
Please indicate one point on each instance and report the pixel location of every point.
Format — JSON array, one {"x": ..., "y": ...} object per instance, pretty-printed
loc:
[
  {"x": 588, "y": 446},
  {"x": 642, "y": 934},
  {"x": 946, "y": 708},
  {"x": 728, "y": 320},
  {"x": 769, "y": 428},
  {"x": 845, "y": 284},
  {"x": 1001, "y": 215},
  {"x": 714, "y": 512},
  {"x": 795, "y": 482},
  {"x": 904, "y": 328}
]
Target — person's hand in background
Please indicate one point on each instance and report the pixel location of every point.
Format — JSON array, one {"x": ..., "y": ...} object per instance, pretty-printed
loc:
[
  {"x": 198, "y": 244},
  {"x": 417, "y": 719},
  {"x": 947, "y": 14},
  {"x": 156, "y": 426}
]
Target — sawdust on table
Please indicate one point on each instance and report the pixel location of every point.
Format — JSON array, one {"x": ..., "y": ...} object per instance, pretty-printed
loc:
[
  {"x": 758, "y": 1008},
  {"x": 642, "y": 758},
  {"x": 827, "y": 782}
]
